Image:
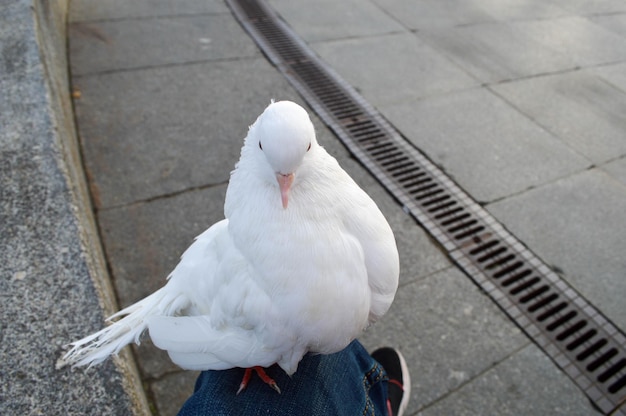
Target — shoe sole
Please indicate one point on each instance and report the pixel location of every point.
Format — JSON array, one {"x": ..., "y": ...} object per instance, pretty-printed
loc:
[{"x": 406, "y": 385}]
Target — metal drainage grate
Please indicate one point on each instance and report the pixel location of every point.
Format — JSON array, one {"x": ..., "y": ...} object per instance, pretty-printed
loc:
[{"x": 578, "y": 338}]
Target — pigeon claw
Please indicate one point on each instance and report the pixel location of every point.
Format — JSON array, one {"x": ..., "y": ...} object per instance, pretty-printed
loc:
[
  {"x": 245, "y": 380},
  {"x": 273, "y": 385},
  {"x": 262, "y": 375}
]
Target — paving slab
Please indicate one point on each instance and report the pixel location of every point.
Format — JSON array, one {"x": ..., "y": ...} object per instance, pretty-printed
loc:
[
  {"x": 179, "y": 127},
  {"x": 405, "y": 67},
  {"x": 491, "y": 149},
  {"x": 153, "y": 363},
  {"x": 579, "y": 107},
  {"x": 617, "y": 169},
  {"x": 448, "y": 331},
  {"x": 171, "y": 391},
  {"x": 511, "y": 388},
  {"x": 583, "y": 41},
  {"x": 160, "y": 230},
  {"x": 495, "y": 52},
  {"x": 613, "y": 74},
  {"x": 577, "y": 226},
  {"x": 90, "y": 10},
  {"x": 613, "y": 22},
  {"x": 336, "y": 19},
  {"x": 104, "y": 46},
  {"x": 586, "y": 7},
  {"x": 513, "y": 10},
  {"x": 434, "y": 13}
]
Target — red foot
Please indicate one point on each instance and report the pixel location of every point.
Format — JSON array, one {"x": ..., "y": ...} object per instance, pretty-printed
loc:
[{"x": 262, "y": 374}]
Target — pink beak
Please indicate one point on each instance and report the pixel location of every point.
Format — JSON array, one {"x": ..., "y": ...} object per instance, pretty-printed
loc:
[{"x": 284, "y": 183}]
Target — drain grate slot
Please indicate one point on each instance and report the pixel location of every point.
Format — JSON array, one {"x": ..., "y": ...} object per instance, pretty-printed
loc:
[
  {"x": 552, "y": 311},
  {"x": 470, "y": 233},
  {"x": 537, "y": 292},
  {"x": 509, "y": 269},
  {"x": 543, "y": 302},
  {"x": 500, "y": 261},
  {"x": 525, "y": 285},
  {"x": 575, "y": 334},
  {"x": 450, "y": 212},
  {"x": 582, "y": 340},
  {"x": 455, "y": 219},
  {"x": 562, "y": 320},
  {"x": 591, "y": 350},
  {"x": 571, "y": 330},
  {"x": 410, "y": 176},
  {"x": 601, "y": 360},
  {"x": 490, "y": 254},
  {"x": 401, "y": 166},
  {"x": 611, "y": 371}
]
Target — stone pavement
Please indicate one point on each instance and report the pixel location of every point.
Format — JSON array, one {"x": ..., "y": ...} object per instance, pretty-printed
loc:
[{"x": 523, "y": 103}]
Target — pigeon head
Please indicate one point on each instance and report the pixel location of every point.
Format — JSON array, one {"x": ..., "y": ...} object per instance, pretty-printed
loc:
[{"x": 284, "y": 135}]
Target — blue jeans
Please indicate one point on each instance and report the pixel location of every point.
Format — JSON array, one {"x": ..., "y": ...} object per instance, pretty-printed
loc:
[{"x": 349, "y": 383}]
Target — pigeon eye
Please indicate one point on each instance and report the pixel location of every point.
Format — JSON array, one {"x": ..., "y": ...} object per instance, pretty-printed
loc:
[
  {"x": 308, "y": 148},
  {"x": 260, "y": 146}
]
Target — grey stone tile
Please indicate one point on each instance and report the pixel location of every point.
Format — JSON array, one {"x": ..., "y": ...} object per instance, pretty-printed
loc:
[
  {"x": 434, "y": 13},
  {"x": 585, "y": 43},
  {"x": 613, "y": 74},
  {"x": 615, "y": 23},
  {"x": 489, "y": 148},
  {"x": 123, "y": 9},
  {"x": 586, "y": 7},
  {"x": 576, "y": 224},
  {"x": 448, "y": 332},
  {"x": 329, "y": 141},
  {"x": 526, "y": 384},
  {"x": 582, "y": 109},
  {"x": 171, "y": 391},
  {"x": 617, "y": 169},
  {"x": 144, "y": 241},
  {"x": 125, "y": 44},
  {"x": 405, "y": 67},
  {"x": 335, "y": 19},
  {"x": 158, "y": 131},
  {"x": 520, "y": 9},
  {"x": 494, "y": 52}
]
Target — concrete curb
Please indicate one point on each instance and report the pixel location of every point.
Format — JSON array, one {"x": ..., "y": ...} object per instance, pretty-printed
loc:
[{"x": 55, "y": 287}]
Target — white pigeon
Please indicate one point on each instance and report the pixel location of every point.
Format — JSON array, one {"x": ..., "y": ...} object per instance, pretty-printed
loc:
[{"x": 303, "y": 262}]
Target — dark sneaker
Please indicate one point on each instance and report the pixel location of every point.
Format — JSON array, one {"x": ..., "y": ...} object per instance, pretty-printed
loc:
[{"x": 399, "y": 385}]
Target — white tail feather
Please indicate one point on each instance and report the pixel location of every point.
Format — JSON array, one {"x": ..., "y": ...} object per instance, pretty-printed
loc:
[
  {"x": 95, "y": 348},
  {"x": 194, "y": 344}
]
